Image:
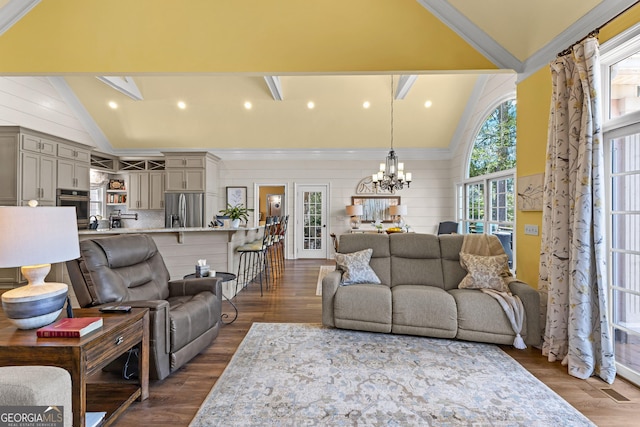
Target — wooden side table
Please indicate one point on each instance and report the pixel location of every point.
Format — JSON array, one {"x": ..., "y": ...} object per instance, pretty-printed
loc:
[{"x": 85, "y": 356}]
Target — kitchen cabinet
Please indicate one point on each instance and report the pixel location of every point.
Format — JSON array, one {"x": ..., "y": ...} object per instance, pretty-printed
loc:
[
  {"x": 38, "y": 178},
  {"x": 34, "y": 164},
  {"x": 73, "y": 167},
  {"x": 74, "y": 153},
  {"x": 141, "y": 164},
  {"x": 146, "y": 190},
  {"x": 73, "y": 175},
  {"x": 193, "y": 172},
  {"x": 29, "y": 171},
  {"x": 103, "y": 162},
  {"x": 197, "y": 161},
  {"x": 38, "y": 145},
  {"x": 186, "y": 180},
  {"x": 138, "y": 197},
  {"x": 156, "y": 190}
]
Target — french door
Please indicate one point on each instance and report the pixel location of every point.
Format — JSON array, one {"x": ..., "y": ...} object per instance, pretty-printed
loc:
[
  {"x": 311, "y": 221},
  {"x": 624, "y": 247}
]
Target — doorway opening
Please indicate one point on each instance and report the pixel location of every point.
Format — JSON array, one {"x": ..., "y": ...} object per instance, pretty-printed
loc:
[{"x": 271, "y": 201}]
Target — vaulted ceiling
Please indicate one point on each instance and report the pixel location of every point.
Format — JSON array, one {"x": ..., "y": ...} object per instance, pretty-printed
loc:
[{"x": 216, "y": 57}]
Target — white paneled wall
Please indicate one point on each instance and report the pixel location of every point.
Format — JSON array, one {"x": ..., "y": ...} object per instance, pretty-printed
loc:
[
  {"x": 32, "y": 102},
  {"x": 429, "y": 200}
]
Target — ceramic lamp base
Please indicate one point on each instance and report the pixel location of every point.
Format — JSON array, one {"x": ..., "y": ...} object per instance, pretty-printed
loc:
[{"x": 34, "y": 306}]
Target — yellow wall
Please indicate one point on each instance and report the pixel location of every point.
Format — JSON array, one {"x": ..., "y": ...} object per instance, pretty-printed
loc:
[
  {"x": 534, "y": 98},
  {"x": 287, "y": 36},
  {"x": 264, "y": 191}
]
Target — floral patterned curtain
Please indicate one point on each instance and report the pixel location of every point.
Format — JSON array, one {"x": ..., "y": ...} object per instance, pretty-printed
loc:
[{"x": 572, "y": 260}]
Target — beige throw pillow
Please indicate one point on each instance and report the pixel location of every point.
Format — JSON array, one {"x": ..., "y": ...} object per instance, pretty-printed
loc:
[
  {"x": 355, "y": 267},
  {"x": 484, "y": 272}
]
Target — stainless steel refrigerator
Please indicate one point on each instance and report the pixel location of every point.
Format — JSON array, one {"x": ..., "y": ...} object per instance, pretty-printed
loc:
[{"x": 184, "y": 210}]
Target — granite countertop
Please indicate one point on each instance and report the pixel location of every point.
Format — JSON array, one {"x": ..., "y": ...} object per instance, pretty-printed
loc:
[{"x": 161, "y": 230}]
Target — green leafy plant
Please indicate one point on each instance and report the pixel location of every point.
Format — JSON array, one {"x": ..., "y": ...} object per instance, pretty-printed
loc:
[{"x": 237, "y": 212}]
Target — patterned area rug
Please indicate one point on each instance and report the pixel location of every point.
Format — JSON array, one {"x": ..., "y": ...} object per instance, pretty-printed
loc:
[
  {"x": 304, "y": 374},
  {"x": 324, "y": 270}
]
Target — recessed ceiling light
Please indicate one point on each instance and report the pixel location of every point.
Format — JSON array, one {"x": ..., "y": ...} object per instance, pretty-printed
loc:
[
  {"x": 366, "y": 104},
  {"x": 182, "y": 105},
  {"x": 311, "y": 105},
  {"x": 248, "y": 105},
  {"x": 113, "y": 104},
  {"x": 428, "y": 104}
]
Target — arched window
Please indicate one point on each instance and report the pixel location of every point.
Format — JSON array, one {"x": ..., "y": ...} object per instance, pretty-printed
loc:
[
  {"x": 486, "y": 199},
  {"x": 494, "y": 149}
]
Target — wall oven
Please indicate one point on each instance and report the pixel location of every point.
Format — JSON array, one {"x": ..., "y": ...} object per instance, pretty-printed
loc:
[{"x": 79, "y": 200}]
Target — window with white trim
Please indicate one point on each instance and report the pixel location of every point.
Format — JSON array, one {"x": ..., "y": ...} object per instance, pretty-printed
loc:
[
  {"x": 486, "y": 199},
  {"x": 96, "y": 201},
  {"x": 621, "y": 101}
]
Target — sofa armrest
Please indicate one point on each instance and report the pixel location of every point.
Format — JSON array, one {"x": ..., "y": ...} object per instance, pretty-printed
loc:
[
  {"x": 531, "y": 301},
  {"x": 194, "y": 286},
  {"x": 330, "y": 285}
]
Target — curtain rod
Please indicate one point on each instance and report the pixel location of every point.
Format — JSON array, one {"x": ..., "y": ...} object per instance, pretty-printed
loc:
[{"x": 595, "y": 32}]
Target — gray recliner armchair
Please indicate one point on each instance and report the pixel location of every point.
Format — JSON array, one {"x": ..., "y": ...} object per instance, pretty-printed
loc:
[{"x": 128, "y": 269}]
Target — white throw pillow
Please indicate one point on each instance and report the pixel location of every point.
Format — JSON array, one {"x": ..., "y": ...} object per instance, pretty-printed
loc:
[
  {"x": 484, "y": 272},
  {"x": 355, "y": 267}
]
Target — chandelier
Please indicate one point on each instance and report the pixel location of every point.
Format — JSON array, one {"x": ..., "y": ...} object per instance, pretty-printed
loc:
[{"x": 391, "y": 176}]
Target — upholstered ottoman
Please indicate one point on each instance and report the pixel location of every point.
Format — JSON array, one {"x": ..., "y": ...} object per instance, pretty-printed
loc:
[{"x": 36, "y": 386}]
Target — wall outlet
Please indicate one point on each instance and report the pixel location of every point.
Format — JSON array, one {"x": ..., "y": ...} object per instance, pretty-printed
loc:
[{"x": 531, "y": 230}]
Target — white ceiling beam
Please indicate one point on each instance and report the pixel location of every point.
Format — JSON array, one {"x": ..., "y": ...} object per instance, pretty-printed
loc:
[
  {"x": 472, "y": 34},
  {"x": 595, "y": 18},
  {"x": 405, "y": 83},
  {"x": 13, "y": 11},
  {"x": 273, "y": 82},
  {"x": 124, "y": 85},
  {"x": 90, "y": 125}
]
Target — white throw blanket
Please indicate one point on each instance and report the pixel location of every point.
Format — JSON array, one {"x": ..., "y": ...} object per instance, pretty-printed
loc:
[{"x": 489, "y": 245}]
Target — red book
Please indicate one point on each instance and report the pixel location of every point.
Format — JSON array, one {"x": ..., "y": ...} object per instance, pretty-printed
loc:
[{"x": 70, "y": 327}]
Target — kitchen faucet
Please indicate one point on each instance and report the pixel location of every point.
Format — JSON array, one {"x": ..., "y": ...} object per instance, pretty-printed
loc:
[{"x": 93, "y": 223}]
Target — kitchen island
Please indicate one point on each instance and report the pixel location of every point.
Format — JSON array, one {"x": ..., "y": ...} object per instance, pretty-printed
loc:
[{"x": 181, "y": 248}]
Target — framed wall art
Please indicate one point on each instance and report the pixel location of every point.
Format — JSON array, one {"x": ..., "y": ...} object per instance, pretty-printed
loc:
[
  {"x": 530, "y": 190},
  {"x": 237, "y": 196}
]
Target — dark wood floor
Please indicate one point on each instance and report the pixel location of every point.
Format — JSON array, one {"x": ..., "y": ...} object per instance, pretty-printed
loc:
[{"x": 175, "y": 400}]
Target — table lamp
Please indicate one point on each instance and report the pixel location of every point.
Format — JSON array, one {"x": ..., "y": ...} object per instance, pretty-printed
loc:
[
  {"x": 354, "y": 211},
  {"x": 397, "y": 211},
  {"x": 33, "y": 238}
]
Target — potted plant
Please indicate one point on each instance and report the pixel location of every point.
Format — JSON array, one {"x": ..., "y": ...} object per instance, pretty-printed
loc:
[{"x": 236, "y": 214}]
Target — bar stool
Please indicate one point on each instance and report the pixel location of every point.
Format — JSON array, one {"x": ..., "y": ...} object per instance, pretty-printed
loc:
[
  {"x": 271, "y": 260},
  {"x": 253, "y": 257},
  {"x": 281, "y": 237},
  {"x": 273, "y": 246}
]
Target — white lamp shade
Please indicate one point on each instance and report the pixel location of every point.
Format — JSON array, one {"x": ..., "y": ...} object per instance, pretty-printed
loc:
[
  {"x": 398, "y": 209},
  {"x": 353, "y": 210},
  {"x": 40, "y": 235}
]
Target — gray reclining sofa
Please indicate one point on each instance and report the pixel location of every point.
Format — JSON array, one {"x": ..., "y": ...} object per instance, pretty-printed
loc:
[{"x": 419, "y": 293}]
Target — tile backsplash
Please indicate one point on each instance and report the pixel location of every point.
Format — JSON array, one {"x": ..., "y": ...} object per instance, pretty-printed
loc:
[{"x": 146, "y": 219}]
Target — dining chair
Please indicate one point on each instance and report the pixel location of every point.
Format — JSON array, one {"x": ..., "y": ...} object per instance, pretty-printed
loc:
[{"x": 447, "y": 227}]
